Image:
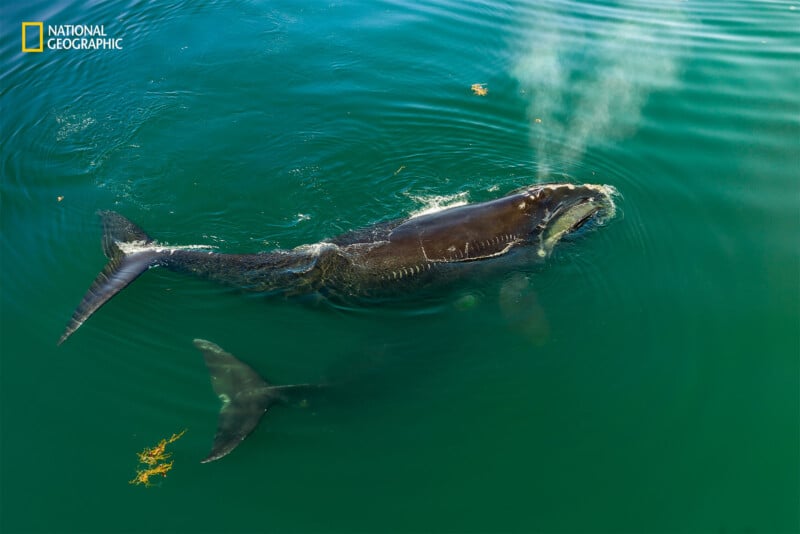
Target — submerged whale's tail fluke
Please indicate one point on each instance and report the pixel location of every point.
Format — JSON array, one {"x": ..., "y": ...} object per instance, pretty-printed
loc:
[
  {"x": 245, "y": 397},
  {"x": 125, "y": 246}
]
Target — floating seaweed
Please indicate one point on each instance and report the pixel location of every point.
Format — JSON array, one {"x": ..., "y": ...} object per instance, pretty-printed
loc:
[
  {"x": 153, "y": 461},
  {"x": 143, "y": 475},
  {"x": 479, "y": 89}
]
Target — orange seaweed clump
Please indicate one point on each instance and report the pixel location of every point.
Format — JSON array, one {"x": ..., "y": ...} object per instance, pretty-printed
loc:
[
  {"x": 479, "y": 89},
  {"x": 143, "y": 475},
  {"x": 153, "y": 455},
  {"x": 150, "y": 458}
]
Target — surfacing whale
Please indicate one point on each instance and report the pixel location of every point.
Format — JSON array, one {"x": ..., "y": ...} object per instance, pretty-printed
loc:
[{"x": 392, "y": 258}]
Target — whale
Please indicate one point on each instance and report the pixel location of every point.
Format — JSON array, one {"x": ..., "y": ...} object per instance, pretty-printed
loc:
[
  {"x": 395, "y": 259},
  {"x": 244, "y": 396}
]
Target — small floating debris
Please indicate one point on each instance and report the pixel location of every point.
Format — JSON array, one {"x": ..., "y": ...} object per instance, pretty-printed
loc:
[
  {"x": 153, "y": 461},
  {"x": 479, "y": 89},
  {"x": 537, "y": 120},
  {"x": 399, "y": 170},
  {"x": 60, "y": 198}
]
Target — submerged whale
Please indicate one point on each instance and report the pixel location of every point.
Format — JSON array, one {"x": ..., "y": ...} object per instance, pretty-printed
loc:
[
  {"x": 245, "y": 396},
  {"x": 393, "y": 258}
]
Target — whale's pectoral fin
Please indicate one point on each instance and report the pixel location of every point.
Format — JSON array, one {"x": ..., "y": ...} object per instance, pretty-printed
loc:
[
  {"x": 125, "y": 246},
  {"x": 245, "y": 397}
]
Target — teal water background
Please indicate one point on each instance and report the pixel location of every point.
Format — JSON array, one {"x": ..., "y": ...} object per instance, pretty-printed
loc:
[{"x": 645, "y": 379}]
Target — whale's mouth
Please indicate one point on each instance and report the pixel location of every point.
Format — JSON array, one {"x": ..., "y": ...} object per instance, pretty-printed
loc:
[
  {"x": 576, "y": 209},
  {"x": 584, "y": 220}
]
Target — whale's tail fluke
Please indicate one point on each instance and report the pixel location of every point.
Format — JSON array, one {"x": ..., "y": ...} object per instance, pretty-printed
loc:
[
  {"x": 244, "y": 394},
  {"x": 125, "y": 246}
]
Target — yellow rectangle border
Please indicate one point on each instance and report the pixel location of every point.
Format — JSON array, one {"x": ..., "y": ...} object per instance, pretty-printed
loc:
[{"x": 26, "y": 25}]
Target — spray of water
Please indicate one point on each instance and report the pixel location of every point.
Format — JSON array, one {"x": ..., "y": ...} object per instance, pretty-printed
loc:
[{"x": 587, "y": 72}]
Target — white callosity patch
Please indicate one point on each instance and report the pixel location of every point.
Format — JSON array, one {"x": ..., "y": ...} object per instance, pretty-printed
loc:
[{"x": 609, "y": 192}]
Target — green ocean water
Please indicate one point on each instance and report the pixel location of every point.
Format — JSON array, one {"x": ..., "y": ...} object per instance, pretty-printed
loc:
[{"x": 645, "y": 378}]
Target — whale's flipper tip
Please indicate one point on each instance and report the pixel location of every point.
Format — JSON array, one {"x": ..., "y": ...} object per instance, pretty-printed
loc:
[{"x": 245, "y": 397}]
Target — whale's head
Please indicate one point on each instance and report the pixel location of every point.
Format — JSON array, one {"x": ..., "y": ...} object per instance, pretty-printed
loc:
[
  {"x": 538, "y": 216},
  {"x": 558, "y": 210}
]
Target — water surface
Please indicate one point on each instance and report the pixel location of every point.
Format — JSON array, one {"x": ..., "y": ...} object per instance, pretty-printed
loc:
[{"x": 645, "y": 379}]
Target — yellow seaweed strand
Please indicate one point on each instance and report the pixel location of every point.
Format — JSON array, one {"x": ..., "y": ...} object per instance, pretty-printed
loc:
[
  {"x": 150, "y": 458},
  {"x": 153, "y": 455},
  {"x": 176, "y": 437},
  {"x": 143, "y": 475}
]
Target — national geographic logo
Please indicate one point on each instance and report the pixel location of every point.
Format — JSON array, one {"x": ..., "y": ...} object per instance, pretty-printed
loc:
[{"x": 67, "y": 37}]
